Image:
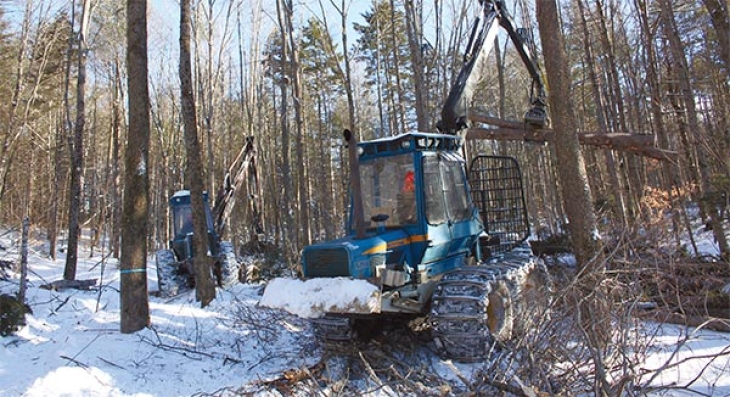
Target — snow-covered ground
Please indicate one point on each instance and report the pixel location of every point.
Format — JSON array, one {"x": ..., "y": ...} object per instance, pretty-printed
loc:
[
  {"x": 72, "y": 346},
  {"x": 696, "y": 360}
]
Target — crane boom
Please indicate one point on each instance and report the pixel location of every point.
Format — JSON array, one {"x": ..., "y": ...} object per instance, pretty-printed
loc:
[
  {"x": 492, "y": 15},
  {"x": 242, "y": 169}
]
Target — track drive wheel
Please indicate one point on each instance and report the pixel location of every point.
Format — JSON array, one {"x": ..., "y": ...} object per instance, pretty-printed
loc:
[{"x": 170, "y": 280}]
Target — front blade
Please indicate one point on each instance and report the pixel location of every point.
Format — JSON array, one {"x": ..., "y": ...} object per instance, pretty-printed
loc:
[{"x": 315, "y": 297}]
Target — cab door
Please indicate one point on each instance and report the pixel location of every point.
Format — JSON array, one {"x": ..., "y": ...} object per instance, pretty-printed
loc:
[
  {"x": 464, "y": 226},
  {"x": 452, "y": 221},
  {"x": 437, "y": 220}
]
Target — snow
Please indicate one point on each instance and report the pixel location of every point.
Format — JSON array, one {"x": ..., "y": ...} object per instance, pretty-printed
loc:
[
  {"x": 71, "y": 345},
  {"x": 312, "y": 298},
  {"x": 689, "y": 353}
]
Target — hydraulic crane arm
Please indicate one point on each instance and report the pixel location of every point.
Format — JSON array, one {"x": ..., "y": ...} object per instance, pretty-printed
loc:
[
  {"x": 242, "y": 169},
  {"x": 492, "y": 15}
]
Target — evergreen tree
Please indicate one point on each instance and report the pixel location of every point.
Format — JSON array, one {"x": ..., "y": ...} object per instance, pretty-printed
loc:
[{"x": 384, "y": 50}]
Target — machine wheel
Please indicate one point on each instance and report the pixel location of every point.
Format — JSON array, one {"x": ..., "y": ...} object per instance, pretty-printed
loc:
[
  {"x": 500, "y": 318},
  {"x": 228, "y": 265},
  {"x": 170, "y": 281},
  {"x": 535, "y": 295},
  {"x": 472, "y": 309}
]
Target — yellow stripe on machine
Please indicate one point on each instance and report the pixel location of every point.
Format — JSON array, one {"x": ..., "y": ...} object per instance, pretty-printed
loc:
[{"x": 380, "y": 248}]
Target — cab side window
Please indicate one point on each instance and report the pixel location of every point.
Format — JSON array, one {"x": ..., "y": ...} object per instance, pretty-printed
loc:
[
  {"x": 434, "y": 195},
  {"x": 455, "y": 190}
]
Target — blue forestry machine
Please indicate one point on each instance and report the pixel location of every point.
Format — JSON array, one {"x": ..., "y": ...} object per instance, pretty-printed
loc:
[
  {"x": 175, "y": 271},
  {"x": 434, "y": 237}
]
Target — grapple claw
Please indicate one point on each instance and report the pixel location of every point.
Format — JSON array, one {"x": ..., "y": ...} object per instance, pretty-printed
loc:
[{"x": 536, "y": 117}]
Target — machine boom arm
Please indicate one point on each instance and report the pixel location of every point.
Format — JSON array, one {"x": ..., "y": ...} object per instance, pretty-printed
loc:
[
  {"x": 493, "y": 14},
  {"x": 242, "y": 169}
]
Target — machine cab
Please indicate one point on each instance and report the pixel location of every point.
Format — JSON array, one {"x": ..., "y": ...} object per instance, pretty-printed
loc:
[
  {"x": 415, "y": 196},
  {"x": 182, "y": 218}
]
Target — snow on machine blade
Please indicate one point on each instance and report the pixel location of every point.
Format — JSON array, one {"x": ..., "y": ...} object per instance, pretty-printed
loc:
[{"x": 315, "y": 297}]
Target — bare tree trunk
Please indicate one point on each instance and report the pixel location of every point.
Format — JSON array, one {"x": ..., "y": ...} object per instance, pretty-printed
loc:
[
  {"x": 96, "y": 200},
  {"x": 208, "y": 98},
  {"x": 595, "y": 85},
  {"x": 204, "y": 286},
  {"x": 295, "y": 73},
  {"x": 116, "y": 197},
  {"x": 399, "y": 101},
  {"x": 24, "y": 260},
  {"x": 414, "y": 32},
  {"x": 577, "y": 201},
  {"x": 134, "y": 311},
  {"x": 77, "y": 152},
  {"x": 58, "y": 175},
  {"x": 671, "y": 179},
  {"x": 384, "y": 126},
  {"x": 720, "y": 16},
  {"x": 11, "y": 135},
  {"x": 288, "y": 226},
  {"x": 571, "y": 167},
  {"x": 690, "y": 107}
]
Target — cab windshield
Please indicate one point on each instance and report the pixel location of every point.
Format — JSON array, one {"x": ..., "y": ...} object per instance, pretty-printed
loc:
[
  {"x": 388, "y": 191},
  {"x": 183, "y": 219}
]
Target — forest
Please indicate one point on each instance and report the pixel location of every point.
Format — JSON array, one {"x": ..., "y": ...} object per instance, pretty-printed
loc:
[
  {"x": 637, "y": 151},
  {"x": 656, "y": 69}
]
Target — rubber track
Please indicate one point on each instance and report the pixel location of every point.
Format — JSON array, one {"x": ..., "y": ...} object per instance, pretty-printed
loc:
[{"x": 459, "y": 309}]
